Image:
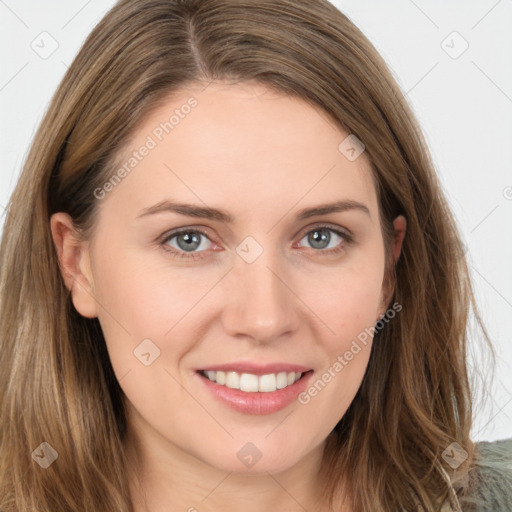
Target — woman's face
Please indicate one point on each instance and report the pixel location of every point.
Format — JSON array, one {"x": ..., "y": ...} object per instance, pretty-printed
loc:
[{"x": 276, "y": 289}]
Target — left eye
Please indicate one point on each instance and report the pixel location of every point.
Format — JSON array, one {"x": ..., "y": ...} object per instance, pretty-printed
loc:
[{"x": 320, "y": 238}]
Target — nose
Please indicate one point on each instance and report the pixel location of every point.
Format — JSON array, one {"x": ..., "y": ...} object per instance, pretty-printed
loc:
[{"x": 260, "y": 300}]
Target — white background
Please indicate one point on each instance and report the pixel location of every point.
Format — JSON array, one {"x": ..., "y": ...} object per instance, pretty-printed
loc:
[{"x": 464, "y": 105}]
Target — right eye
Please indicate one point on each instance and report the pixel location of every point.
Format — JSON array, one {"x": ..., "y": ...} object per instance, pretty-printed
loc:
[{"x": 185, "y": 242}]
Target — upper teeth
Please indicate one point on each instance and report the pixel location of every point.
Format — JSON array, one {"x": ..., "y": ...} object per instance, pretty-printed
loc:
[{"x": 252, "y": 383}]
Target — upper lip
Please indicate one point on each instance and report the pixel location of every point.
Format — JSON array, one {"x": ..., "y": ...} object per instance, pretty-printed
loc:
[{"x": 257, "y": 369}]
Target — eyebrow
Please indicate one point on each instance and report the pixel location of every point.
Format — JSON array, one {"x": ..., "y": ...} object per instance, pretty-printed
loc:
[{"x": 220, "y": 215}]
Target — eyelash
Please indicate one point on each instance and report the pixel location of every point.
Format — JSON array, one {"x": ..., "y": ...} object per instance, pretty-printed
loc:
[{"x": 347, "y": 240}]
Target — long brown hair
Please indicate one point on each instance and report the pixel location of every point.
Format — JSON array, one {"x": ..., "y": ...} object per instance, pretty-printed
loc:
[{"x": 56, "y": 382}]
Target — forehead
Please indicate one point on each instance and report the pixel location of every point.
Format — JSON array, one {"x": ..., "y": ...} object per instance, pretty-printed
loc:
[{"x": 243, "y": 144}]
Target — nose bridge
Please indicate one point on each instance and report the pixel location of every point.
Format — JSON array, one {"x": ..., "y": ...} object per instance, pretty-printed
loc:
[{"x": 260, "y": 303}]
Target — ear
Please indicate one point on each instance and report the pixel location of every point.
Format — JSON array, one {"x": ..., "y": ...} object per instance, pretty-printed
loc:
[
  {"x": 399, "y": 228},
  {"x": 74, "y": 262}
]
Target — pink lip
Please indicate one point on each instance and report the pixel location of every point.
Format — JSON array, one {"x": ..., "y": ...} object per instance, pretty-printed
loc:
[
  {"x": 257, "y": 402},
  {"x": 257, "y": 369}
]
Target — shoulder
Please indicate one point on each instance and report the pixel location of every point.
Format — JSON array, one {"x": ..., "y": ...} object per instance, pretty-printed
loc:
[{"x": 490, "y": 479}]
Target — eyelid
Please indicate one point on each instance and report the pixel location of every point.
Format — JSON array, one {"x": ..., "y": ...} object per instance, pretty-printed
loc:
[
  {"x": 185, "y": 229},
  {"x": 346, "y": 233}
]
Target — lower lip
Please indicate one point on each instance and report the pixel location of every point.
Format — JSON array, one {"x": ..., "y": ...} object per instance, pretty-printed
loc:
[{"x": 257, "y": 402}]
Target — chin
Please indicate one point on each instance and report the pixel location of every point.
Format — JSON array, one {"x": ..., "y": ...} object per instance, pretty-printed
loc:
[{"x": 249, "y": 459}]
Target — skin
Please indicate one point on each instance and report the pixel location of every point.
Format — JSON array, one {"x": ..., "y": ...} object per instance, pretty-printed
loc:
[{"x": 261, "y": 156}]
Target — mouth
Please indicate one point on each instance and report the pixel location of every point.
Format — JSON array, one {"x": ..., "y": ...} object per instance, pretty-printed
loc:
[
  {"x": 251, "y": 382},
  {"x": 255, "y": 390}
]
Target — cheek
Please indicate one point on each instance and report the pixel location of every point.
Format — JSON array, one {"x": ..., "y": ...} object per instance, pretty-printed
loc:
[
  {"x": 347, "y": 302},
  {"x": 145, "y": 300},
  {"x": 347, "y": 299},
  {"x": 350, "y": 311},
  {"x": 349, "y": 308},
  {"x": 147, "y": 317}
]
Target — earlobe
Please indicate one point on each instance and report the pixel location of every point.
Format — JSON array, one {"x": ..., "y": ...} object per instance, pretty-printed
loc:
[{"x": 74, "y": 262}]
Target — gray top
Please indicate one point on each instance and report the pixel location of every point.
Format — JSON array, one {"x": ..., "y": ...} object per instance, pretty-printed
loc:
[{"x": 490, "y": 482}]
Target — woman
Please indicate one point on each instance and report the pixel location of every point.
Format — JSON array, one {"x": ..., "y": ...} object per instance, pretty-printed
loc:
[{"x": 230, "y": 279}]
